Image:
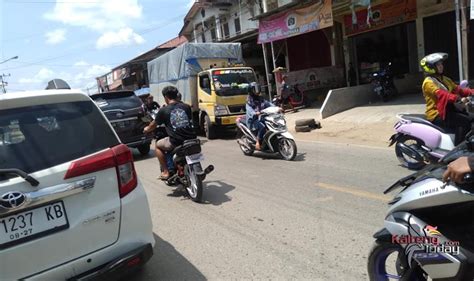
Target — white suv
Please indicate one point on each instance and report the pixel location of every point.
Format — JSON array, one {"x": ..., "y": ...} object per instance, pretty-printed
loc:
[{"x": 71, "y": 206}]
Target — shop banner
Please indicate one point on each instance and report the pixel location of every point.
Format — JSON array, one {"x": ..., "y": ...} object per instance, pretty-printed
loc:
[
  {"x": 383, "y": 15},
  {"x": 296, "y": 22},
  {"x": 316, "y": 78}
]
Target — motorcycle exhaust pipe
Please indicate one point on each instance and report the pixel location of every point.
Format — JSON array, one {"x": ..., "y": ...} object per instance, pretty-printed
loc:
[{"x": 209, "y": 169}]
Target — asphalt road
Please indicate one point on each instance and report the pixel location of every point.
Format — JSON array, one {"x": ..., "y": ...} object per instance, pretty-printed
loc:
[{"x": 265, "y": 218}]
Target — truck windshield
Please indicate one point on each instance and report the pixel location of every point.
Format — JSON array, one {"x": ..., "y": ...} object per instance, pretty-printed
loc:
[{"x": 232, "y": 82}]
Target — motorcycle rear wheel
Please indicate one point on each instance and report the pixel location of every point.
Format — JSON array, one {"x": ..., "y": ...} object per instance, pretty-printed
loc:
[
  {"x": 377, "y": 264},
  {"x": 406, "y": 160},
  {"x": 247, "y": 151},
  {"x": 194, "y": 187}
]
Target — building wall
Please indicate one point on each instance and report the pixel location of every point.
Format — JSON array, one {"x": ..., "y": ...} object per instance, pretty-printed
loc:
[{"x": 244, "y": 11}]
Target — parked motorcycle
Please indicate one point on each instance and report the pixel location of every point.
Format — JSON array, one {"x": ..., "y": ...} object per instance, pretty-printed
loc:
[
  {"x": 295, "y": 97},
  {"x": 428, "y": 231},
  {"x": 277, "y": 139},
  {"x": 420, "y": 142},
  {"x": 383, "y": 85},
  {"x": 184, "y": 164}
]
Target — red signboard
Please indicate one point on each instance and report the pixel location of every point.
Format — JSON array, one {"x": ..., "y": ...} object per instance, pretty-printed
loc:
[{"x": 391, "y": 13}]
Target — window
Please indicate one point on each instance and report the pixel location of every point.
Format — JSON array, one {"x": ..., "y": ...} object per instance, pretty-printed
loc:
[
  {"x": 226, "y": 30},
  {"x": 39, "y": 137},
  {"x": 205, "y": 83},
  {"x": 118, "y": 100},
  {"x": 237, "y": 25},
  {"x": 213, "y": 35}
]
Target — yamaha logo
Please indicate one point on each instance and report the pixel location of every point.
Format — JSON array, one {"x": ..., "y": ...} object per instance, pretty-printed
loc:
[{"x": 12, "y": 200}]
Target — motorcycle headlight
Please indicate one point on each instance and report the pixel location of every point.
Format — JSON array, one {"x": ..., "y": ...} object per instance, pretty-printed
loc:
[{"x": 220, "y": 110}]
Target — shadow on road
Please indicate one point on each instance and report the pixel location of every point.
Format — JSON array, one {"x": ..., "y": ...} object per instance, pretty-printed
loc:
[
  {"x": 300, "y": 157},
  {"x": 215, "y": 192},
  {"x": 166, "y": 264}
]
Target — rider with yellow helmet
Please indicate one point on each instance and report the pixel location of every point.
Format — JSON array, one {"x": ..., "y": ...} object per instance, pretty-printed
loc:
[{"x": 441, "y": 94}]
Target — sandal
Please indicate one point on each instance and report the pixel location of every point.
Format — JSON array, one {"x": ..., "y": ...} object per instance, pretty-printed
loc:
[{"x": 163, "y": 178}]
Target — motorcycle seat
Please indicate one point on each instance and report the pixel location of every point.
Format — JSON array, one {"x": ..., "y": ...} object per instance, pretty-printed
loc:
[
  {"x": 189, "y": 147},
  {"x": 420, "y": 119}
]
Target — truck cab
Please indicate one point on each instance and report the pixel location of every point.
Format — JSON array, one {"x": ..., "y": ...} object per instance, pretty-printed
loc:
[{"x": 222, "y": 95}]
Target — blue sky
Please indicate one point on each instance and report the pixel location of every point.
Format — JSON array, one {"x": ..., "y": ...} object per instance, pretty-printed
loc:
[{"x": 78, "y": 40}]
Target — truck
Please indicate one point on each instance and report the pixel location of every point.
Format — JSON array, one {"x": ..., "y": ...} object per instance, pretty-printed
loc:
[{"x": 211, "y": 78}]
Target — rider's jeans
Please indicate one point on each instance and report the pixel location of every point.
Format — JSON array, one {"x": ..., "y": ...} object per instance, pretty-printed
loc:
[{"x": 261, "y": 130}]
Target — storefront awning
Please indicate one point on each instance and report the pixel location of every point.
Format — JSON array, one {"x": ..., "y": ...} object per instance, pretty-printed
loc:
[{"x": 295, "y": 22}]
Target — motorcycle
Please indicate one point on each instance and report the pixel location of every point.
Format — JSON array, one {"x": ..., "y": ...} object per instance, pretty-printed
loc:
[
  {"x": 382, "y": 83},
  {"x": 277, "y": 139},
  {"x": 184, "y": 164},
  {"x": 295, "y": 97},
  {"x": 420, "y": 142},
  {"x": 428, "y": 228}
]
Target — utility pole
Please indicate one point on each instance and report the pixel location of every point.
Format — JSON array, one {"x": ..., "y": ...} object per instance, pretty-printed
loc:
[
  {"x": 458, "y": 36},
  {"x": 464, "y": 38},
  {"x": 4, "y": 83}
]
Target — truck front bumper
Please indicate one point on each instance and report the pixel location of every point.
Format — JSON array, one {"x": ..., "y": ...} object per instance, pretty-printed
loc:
[{"x": 226, "y": 120}]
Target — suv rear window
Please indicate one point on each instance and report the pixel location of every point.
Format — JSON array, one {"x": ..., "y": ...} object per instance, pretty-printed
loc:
[
  {"x": 38, "y": 137},
  {"x": 120, "y": 100}
]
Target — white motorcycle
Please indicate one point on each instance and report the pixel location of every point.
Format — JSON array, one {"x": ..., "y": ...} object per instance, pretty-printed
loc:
[{"x": 277, "y": 139}]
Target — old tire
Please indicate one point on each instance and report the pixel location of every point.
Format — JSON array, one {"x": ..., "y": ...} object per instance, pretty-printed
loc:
[
  {"x": 302, "y": 129},
  {"x": 305, "y": 122},
  {"x": 317, "y": 125},
  {"x": 144, "y": 149},
  {"x": 209, "y": 129}
]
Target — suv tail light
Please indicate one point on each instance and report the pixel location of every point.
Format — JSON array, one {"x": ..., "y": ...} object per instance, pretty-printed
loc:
[{"x": 119, "y": 157}]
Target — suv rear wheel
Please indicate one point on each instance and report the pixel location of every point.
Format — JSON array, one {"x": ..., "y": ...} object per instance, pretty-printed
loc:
[{"x": 144, "y": 149}]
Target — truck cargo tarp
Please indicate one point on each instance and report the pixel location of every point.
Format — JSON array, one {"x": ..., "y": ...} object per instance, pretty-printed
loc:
[{"x": 183, "y": 61}]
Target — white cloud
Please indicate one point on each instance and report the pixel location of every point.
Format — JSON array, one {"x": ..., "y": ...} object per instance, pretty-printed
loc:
[
  {"x": 125, "y": 36},
  {"x": 102, "y": 17},
  {"x": 44, "y": 75},
  {"x": 56, "y": 36},
  {"x": 78, "y": 80},
  {"x": 190, "y": 3}
]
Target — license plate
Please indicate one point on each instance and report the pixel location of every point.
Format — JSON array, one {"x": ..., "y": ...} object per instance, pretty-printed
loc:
[
  {"x": 28, "y": 225},
  {"x": 195, "y": 158}
]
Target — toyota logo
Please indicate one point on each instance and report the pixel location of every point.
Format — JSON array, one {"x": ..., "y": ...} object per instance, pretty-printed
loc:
[{"x": 12, "y": 200}]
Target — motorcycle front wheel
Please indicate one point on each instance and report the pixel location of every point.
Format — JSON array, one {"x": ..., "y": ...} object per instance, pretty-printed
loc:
[
  {"x": 194, "y": 183},
  {"x": 287, "y": 149},
  {"x": 247, "y": 150},
  {"x": 387, "y": 262}
]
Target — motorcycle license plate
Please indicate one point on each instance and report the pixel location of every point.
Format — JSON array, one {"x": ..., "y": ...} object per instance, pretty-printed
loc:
[{"x": 195, "y": 158}]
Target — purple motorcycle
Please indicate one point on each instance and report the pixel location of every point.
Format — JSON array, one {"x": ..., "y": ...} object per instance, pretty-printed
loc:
[{"x": 419, "y": 142}]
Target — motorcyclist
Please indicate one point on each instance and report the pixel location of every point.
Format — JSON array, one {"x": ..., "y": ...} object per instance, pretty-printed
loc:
[
  {"x": 150, "y": 104},
  {"x": 177, "y": 118},
  {"x": 442, "y": 97},
  {"x": 254, "y": 106}
]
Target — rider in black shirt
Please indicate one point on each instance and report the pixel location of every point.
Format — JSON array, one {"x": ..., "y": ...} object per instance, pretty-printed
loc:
[{"x": 177, "y": 118}]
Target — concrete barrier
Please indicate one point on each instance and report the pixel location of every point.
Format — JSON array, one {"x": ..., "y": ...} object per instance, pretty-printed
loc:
[{"x": 342, "y": 99}]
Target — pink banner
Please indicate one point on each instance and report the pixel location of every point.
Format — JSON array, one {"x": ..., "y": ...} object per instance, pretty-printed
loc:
[{"x": 296, "y": 22}]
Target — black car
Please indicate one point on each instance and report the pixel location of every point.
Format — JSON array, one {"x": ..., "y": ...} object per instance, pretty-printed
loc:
[{"x": 127, "y": 115}]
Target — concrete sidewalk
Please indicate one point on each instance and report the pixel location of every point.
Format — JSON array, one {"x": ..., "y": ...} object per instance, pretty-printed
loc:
[{"x": 369, "y": 125}]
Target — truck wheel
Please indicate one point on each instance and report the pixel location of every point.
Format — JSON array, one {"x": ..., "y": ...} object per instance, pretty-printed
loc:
[{"x": 209, "y": 129}]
